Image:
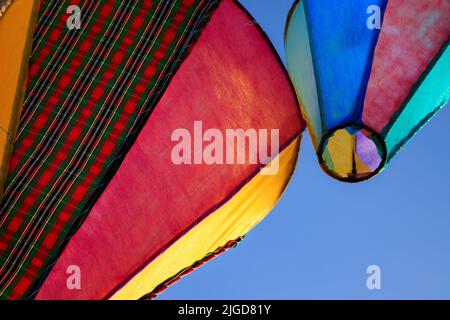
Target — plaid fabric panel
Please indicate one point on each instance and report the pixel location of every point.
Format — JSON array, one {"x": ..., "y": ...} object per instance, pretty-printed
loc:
[{"x": 89, "y": 92}]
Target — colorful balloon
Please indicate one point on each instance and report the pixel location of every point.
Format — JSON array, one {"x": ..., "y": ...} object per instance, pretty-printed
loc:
[
  {"x": 369, "y": 75},
  {"x": 123, "y": 169}
]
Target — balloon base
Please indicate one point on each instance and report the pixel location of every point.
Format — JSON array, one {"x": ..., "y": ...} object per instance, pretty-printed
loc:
[{"x": 352, "y": 153}]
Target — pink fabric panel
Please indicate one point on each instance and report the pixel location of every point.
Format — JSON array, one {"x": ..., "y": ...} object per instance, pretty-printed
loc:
[
  {"x": 231, "y": 79},
  {"x": 413, "y": 33}
]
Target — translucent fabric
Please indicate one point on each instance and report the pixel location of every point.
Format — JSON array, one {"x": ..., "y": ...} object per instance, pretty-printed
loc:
[{"x": 369, "y": 75}]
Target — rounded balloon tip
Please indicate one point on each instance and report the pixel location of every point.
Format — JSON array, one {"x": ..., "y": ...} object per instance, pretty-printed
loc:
[{"x": 352, "y": 153}]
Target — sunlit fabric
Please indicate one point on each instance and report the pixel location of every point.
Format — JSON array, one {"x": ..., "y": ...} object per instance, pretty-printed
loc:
[
  {"x": 16, "y": 33},
  {"x": 157, "y": 219},
  {"x": 92, "y": 182},
  {"x": 90, "y": 90},
  {"x": 366, "y": 90}
]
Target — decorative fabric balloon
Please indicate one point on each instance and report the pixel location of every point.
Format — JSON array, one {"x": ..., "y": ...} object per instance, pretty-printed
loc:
[
  {"x": 365, "y": 89},
  {"x": 93, "y": 185}
]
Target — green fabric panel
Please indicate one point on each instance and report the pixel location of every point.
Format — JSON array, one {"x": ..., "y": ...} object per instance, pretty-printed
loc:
[{"x": 301, "y": 69}]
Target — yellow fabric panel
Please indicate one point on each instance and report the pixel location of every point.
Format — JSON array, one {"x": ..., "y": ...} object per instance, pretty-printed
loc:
[
  {"x": 16, "y": 34},
  {"x": 361, "y": 167},
  {"x": 341, "y": 146},
  {"x": 340, "y": 152},
  {"x": 231, "y": 221}
]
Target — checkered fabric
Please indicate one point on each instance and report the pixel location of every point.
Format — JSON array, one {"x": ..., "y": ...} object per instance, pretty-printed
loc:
[{"x": 90, "y": 90}]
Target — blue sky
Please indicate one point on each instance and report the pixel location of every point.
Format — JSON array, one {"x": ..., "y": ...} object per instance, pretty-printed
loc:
[{"x": 323, "y": 234}]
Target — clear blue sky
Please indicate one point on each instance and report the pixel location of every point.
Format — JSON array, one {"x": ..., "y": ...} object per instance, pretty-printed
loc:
[{"x": 319, "y": 240}]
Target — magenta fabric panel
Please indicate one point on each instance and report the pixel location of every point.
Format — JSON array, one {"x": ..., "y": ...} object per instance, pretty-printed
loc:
[
  {"x": 231, "y": 79},
  {"x": 413, "y": 33}
]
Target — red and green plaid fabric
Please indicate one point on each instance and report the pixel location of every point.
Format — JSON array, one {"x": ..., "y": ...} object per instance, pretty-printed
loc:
[{"x": 90, "y": 90}]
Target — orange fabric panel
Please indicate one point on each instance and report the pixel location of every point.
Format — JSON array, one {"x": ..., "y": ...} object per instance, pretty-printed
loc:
[{"x": 16, "y": 33}]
